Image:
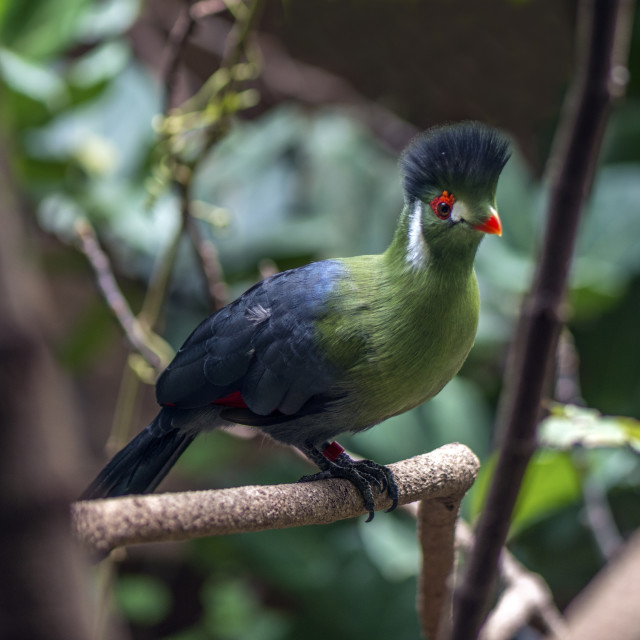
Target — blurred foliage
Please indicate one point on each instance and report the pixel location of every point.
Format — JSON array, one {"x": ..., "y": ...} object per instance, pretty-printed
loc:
[
  {"x": 292, "y": 186},
  {"x": 569, "y": 426},
  {"x": 143, "y": 599}
]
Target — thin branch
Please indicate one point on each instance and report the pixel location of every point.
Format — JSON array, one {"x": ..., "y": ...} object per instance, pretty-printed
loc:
[
  {"x": 184, "y": 169},
  {"x": 284, "y": 78},
  {"x": 526, "y": 599},
  {"x": 576, "y": 150},
  {"x": 158, "y": 288},
  {"x": 599, "y": 516},
  {"x": 102, "y": 525},
  {"x": 178, "y": 37},
  {"x": 206, "y": 8},
  {"x": 598, "y": 512},
  {"x": 241, "y": 32},
  {"x": 117, "y": 303},
  {"x": 601, "y": 520},
  {"x": 207, "y": 252},
  {"x": 567, "y": 387}
]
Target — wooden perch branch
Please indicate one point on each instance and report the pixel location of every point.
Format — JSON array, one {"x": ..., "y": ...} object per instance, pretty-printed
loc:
[{"x": 444, "y": 474}]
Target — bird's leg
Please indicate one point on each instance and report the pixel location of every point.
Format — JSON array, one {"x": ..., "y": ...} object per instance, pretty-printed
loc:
[{"x": 364, "y": 474}]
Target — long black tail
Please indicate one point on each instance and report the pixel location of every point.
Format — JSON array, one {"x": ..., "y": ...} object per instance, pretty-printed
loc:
[{"x": 141, "y": 465}]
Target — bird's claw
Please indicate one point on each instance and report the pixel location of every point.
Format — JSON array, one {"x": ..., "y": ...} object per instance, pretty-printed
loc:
[
  {"x": 322, "y": 475},
  {"x": 363, "y": 474}
]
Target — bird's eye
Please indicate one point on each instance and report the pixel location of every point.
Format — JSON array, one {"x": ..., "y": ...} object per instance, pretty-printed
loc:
[
  {"x": 443, "y": 204},
  {"x": 444, "y": 209}
]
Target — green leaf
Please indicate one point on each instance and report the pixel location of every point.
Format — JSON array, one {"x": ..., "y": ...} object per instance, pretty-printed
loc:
[
  {"x": 569, "y": 426},
  {"x": 551, "y": 482},
  {"x": 32, "y": 80},
  {"x": 41, "y": 28},
  {"x": 105, "y": 20},
  {"x": 233, "y": 610},
  {"x": 143, "y": 599},
  {"x": 100, "y": 64}
]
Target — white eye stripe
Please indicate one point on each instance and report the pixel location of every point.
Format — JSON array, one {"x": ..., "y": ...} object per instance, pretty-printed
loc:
[{"x": 459, "y": 211}]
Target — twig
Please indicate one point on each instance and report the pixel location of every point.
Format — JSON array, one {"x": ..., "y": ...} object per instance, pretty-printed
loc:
[
  {"x": 576, "y": 150},
  {"x": 159, "y": 284},
  {"x": 137, "y": 336},
  {"x": 241, "y": 31},
  {"x": 102, "y": 525},
  {"x": 601, "y": 520},
  {"x": 207, "y": 253},
  {"x": 525, "y": 599},
  {"x": 567, "y": 388},
  {"x": 598, "y": 513},
  {"x": 284, "y": 78},
  {"x": 178, "y": 36},
  {"x": 206, "y": 8},
  {"x": 185, "y": 169}
]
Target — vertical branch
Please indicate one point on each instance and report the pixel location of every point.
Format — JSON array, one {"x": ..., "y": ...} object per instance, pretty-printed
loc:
[
  {"x": 436, "y": 533},
  {"x": 604, "y": 26}
]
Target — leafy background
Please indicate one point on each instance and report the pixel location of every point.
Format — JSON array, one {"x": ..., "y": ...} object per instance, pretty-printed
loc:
[{"x": 291, "y": 184}]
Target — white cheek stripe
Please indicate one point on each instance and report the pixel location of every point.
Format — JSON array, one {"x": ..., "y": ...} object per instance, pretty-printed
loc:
[{"x": 417, "y": 250}]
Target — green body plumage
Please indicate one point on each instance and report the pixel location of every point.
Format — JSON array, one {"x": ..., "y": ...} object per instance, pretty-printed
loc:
[
  {"x": 401, "y": 324},
  {"x": 402, "y": 332}
]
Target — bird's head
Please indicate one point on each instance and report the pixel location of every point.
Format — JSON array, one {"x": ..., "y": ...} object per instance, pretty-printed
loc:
[{"x": 450, "y": 177}]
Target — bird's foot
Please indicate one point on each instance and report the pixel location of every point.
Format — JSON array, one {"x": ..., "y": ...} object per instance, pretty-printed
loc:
[{"x": 364, "y": 474}]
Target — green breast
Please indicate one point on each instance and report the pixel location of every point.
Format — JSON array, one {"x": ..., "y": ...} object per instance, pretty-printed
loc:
[{"x": 399, "y": 337}]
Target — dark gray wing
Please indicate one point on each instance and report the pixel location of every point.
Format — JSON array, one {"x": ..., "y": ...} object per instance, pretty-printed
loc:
[{"x": 260, "y": 354}]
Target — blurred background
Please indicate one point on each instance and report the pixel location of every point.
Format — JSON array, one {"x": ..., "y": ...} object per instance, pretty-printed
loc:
[{"x": 308, "y": 170}]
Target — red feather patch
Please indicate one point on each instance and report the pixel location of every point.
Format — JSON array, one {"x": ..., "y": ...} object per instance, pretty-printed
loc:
[{"x": 234, "y": 400}]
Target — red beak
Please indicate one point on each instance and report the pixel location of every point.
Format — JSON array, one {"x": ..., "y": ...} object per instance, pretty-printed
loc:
[{"x": 492, "y": 225}]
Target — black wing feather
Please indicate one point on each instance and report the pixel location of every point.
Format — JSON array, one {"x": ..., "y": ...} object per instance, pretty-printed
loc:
[{"x": 264, "y": 345}]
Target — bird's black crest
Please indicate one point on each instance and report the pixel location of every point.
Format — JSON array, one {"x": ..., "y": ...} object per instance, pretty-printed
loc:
[{"x": 444, "y": 157}]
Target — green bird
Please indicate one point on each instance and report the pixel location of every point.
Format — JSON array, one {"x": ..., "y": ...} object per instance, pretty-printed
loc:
[{"x": 338, "y": 345}]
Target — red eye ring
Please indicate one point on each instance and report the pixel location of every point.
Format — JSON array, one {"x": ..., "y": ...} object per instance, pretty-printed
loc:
[{"x": 442, "y": 205}]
